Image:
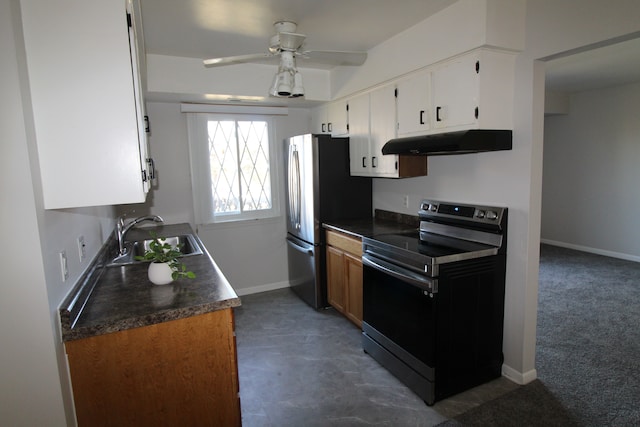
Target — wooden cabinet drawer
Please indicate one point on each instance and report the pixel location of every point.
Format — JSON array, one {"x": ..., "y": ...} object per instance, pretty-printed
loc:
[{"x": 347, "y": 243}]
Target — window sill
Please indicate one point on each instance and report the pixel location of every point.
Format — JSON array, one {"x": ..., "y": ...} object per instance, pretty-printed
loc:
[{"x": 241, "y": 223}]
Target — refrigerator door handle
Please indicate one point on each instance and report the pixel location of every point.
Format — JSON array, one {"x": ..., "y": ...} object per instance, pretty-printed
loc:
[
  {"x": 294, "y": 188},
  {"x": 298, "y": 189},
  {"x": 308, "y": 250}
]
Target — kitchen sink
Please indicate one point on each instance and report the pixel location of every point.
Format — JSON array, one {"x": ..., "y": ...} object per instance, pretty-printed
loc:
[{"x": 185, "y": 243}]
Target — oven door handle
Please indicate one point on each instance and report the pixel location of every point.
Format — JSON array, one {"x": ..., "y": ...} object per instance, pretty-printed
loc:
[{"x": 424, "y": 283}]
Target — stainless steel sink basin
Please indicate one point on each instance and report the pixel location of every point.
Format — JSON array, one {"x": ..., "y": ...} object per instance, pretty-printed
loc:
[{"x": 186, "y": 244}]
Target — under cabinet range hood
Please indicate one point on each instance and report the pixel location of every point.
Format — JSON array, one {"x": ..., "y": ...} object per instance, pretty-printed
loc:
[{"x": 459, "y": 142}]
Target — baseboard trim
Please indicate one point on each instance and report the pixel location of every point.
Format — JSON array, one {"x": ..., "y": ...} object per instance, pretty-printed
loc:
[
  {"x": 517, "y": 376},
  {"x": 596, "y": 251},
  {"x": 261, "y": 288}
]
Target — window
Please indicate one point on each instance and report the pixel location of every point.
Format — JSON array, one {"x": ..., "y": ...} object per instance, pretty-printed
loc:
[{"x": 234, "y": 167}]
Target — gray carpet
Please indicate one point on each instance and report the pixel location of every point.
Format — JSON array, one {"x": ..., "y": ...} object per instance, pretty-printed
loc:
[
  {"x": 530, "y": 405},
  {"x": 588, "y": 347}
]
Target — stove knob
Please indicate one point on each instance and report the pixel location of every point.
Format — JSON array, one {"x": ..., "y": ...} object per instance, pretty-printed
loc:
[
  {"x": 492, "y": 215},
  {"x": 433, "y": 208},
  {"x": 479, "y": 214}
]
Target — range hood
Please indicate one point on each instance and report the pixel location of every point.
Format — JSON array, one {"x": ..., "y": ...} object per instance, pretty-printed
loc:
[{"x": 460, "y": 142}]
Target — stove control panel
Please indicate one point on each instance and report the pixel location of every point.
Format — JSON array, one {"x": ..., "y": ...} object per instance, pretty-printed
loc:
[{"x": 461, "y": 212}]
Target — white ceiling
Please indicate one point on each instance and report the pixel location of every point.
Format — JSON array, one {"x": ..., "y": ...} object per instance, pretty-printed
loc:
[
  {"x": 218, "y": 28},
  {"x": 595, "y": 68}
]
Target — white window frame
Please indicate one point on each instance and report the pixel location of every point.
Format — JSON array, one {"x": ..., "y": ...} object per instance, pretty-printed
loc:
[{"x": 201, "y": 169}]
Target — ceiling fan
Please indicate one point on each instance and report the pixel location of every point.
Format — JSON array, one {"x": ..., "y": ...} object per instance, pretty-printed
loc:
[{"x": 289, "y": 45}]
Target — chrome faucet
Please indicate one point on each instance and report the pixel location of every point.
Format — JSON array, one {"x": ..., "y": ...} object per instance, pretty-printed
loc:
[{"x": 122, "y": 230}]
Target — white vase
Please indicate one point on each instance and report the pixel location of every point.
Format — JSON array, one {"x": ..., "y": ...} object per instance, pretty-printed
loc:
[{"x": 160, "y": 273}]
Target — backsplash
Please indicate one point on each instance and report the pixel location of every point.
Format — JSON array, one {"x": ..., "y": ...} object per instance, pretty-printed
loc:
[{"x": 400, "y": 218}]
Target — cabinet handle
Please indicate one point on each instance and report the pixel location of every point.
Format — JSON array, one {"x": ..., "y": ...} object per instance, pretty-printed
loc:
[
  {"x": 152, "y": 169},
  {"x": 147, "y": 126},
  {"x": 373, "y": 162},
  {"x": 477, "y": 112},
  {"x": 323, "y": 128},
  {"x": 364, "y": 162},
  {"x": 421, "y": 117},
  {"x": 330, "y": 127},
  {"x": 438, "y": 119}
]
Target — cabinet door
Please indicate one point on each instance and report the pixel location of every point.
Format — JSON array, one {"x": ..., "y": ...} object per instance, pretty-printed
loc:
[
  {"x": 136, "y": 47},
  {"x": 360, "y": 161},
  {"x": 383, "y": 128},
  {"x": 353, "y": 280},
  {"x": 338, "y": 112},
  {"x": 182, "y": 372},
  {"x": 335, "y": 278},
  {"x": 414, "y": 104},
  {"x": 455, "y": 86},
  {"x": 320, "y": 120},
  {"x": 85, "y": 117}
]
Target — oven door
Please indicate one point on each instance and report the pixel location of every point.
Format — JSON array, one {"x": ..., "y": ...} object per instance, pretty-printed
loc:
[{"x": 399, "y": 311}]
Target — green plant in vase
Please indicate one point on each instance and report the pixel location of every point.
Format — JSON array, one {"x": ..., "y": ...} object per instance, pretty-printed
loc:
[{"x": 161, "y": 252}]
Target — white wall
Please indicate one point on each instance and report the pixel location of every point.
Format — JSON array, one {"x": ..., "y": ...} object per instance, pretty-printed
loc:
[
  {"x": 251, "y": 254},
  {"x": 590, "y": 198},
  {"x": 33, "y": 376},
  {"x": 29, "y": 381}
]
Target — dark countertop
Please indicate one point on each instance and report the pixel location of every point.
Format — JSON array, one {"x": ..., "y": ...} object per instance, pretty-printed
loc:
[
  {"x": 122, "y": 297},
  {"x": 384, "y": 222}
]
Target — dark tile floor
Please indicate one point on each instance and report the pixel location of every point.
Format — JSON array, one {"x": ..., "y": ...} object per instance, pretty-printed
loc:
[{"x": 302, "y": 367}]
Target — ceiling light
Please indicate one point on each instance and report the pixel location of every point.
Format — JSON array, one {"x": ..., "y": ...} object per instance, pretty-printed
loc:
[
  {"x": 287, "y": 83},
  {"x": 297, "y": 90}
]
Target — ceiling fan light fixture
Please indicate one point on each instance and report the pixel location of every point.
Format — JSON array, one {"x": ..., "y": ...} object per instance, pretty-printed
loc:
[
  {"x": 285, "y": 82},
  {"x": 298, "y": 88},
  {"x": 273, "y": 90}
]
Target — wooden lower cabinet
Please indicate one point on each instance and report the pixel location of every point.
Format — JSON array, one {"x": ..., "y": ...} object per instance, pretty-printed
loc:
[
  {"x": 344, "y": 275},
  {"x": 182, "y": 372}
]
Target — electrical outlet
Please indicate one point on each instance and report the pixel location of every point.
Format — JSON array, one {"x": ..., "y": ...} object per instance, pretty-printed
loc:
[
  {"x": 64, "y": 270},
  {"x": 82, "y": 248},
  {"x": 405, "y": 201}
]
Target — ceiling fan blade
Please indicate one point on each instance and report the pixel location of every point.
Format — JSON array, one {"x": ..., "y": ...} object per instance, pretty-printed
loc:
[
  {"x": 334, "y": 57},
  {"x": 227, "y": 60}
]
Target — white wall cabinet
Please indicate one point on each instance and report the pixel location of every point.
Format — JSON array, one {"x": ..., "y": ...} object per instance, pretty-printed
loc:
[
  {"x": 320, "y": 120},
  {"x": 473, "y": 91},
  {"x": 84, "y": 66},
  {"x": 382, "y": 117},
  {"x": 372, "y": 122},
  {"x": 338, "y": 113},
  {"x": 414, "y": 104},
  {"x": 359, "y": 136},
  {"x": 331, "y": 118},
  {"x": 470, "y": 91}
]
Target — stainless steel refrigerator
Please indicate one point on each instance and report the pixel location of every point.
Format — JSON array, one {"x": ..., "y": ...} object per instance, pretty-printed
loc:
[{"x": 319, "y": 189}]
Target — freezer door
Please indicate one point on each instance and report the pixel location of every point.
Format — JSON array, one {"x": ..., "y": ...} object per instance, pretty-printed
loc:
[
  {"x": 301, "y": 172},
  {"x": 304, "y": 272}
]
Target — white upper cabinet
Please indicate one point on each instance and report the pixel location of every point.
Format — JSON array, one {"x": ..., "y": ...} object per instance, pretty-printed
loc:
[
  {"x": 372, "y": 123},
  {"x": 382, "y": 113},
  {"x": 320, "y": 119},
  {"x": 338, "y": 113},
  {"x": 331, "y": 118},
  {"x": 472, "y": 91},
  {"x": 84, "y": 66},
  {"x": 414, "y": 104},
  {"x": 359, "y": 136}
]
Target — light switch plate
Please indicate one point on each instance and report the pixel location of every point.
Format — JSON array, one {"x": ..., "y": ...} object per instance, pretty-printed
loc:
[
  {"x": 82, "y": 248},
  {"x": 64, "y": 270}
]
